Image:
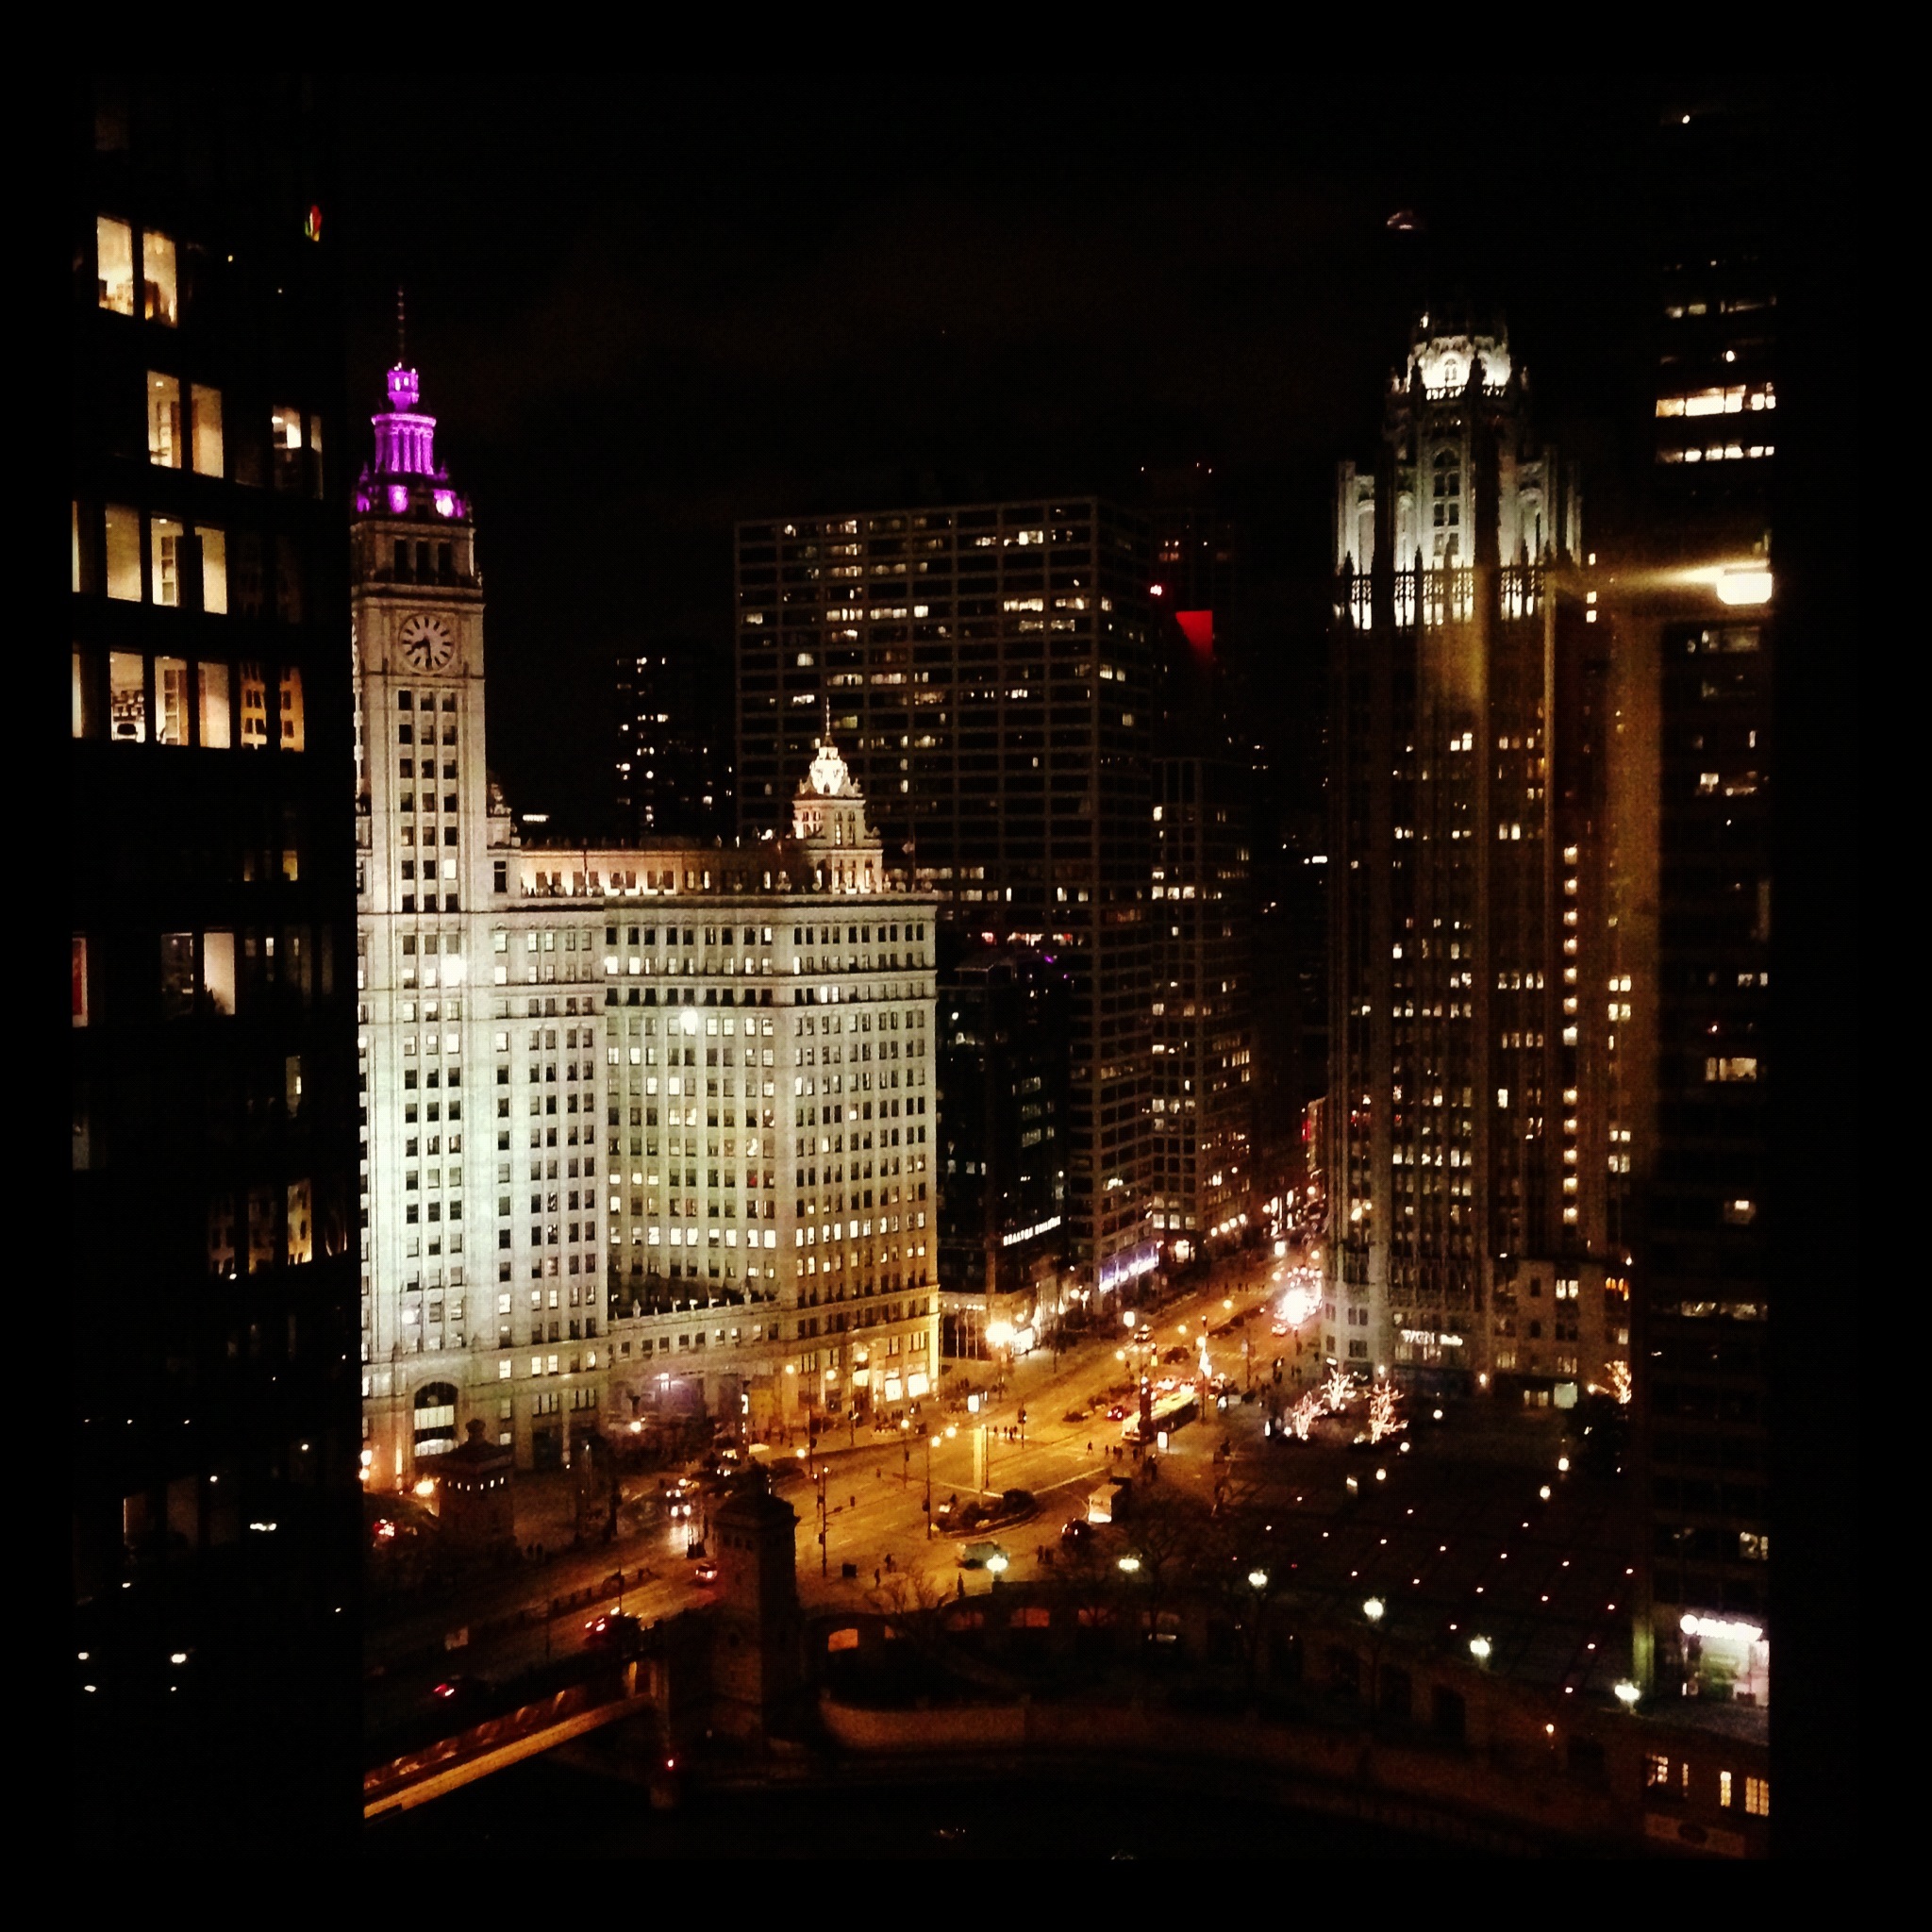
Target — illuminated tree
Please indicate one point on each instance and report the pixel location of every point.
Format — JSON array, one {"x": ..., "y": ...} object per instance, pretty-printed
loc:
[
  {"x": 1338, "y": 1391},
  {"x": 1620, "y": 1381},
  {"x": 1385, "y": 1417},
  {"x": 1303, "y": 1416}
]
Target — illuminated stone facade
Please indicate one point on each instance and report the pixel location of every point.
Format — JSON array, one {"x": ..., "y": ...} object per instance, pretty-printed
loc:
[
  {"x": 1471, "y": 1129},
  {"x": 645, "y": 1129}
]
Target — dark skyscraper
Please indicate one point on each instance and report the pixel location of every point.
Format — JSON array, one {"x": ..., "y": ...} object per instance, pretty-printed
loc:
[
  {"x": 674, "y": 749},
  {"x": 213, "y": 1446},
  {"x": 1203, "y": 1019},
  {"x": 1696, "y": 629},
  {"x": 1209, "y": 765},
  {"x": 988, "y": 670},
  {"x": 1003, "y": 1109}
]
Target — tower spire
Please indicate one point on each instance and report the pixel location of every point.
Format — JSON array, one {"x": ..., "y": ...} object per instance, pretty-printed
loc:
[{"x": 405, "y": 441}]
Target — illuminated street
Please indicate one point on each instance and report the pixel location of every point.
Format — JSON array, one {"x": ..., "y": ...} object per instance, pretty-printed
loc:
[
  {"x": 874, "y": 1495},
  {"x": 1538, "y": 1575}
]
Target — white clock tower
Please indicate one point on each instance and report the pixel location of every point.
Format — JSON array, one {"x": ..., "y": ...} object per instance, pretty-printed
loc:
[
  {"x": 421, "y": 780},
  {"x": 427, "y": 883}
]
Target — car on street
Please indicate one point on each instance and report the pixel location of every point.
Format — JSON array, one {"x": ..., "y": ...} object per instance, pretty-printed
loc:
[
  {"x": 706, "y": 1570},
  {"x": 461, "y": 1698},
  {"x": 615, "y": 1630},
  {"x": 1076, "y": 1531},
  {"x": 1116, "y": 1413},
  {"x": 977, "y": 1555}
]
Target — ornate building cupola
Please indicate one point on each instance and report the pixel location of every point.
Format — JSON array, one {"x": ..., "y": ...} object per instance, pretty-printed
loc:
[
  {"x": 1462, "y": 480},
  {"x": 1448, "y": 358},
  {"x": 841, "y": 851},
  {"x": 411, "y": 526},
  {"x": 405, "y": 480}
]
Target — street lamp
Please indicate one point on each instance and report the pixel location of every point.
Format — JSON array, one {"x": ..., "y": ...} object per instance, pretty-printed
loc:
[
  {"x": 1479, "y": 1648},
  {"x": 932, "y": 1442},
  {"x": 1258, "y": 1580},
  {"x": 1627, "y": 1694},
  {"x": 1373, "y": 1610}
]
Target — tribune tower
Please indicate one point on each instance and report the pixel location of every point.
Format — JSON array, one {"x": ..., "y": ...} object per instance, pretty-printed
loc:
[{"x": 1472, "y": 1120}]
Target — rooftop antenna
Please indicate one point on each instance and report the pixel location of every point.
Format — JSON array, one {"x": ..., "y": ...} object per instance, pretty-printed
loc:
[{"x": 828, "y": 720}]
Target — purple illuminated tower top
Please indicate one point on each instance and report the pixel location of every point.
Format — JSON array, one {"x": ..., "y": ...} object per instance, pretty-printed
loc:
[{"x": 404, "y": 471}]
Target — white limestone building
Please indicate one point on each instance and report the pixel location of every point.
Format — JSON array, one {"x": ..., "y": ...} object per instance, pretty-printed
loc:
[{"x": 644, "y": 1129}]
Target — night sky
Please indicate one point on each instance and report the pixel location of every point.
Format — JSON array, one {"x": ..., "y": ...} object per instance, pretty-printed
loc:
[{"x": 644, "y": 309}]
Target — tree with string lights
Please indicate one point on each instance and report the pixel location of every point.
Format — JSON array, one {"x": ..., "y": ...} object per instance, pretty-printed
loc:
[{"x": 1385, "y": 1412}]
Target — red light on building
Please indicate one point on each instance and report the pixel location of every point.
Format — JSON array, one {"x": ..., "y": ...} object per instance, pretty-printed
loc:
[{"x": 1198, "y": 627}]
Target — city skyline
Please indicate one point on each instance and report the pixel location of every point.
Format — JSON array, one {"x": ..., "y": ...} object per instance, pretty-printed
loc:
[
  {"x": 711, "y": 394},
  {"x": 681, "y": 344}
]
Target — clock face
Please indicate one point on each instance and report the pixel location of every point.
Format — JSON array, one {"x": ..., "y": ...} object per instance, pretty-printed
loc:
[{"x": 427, "y": 643}]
